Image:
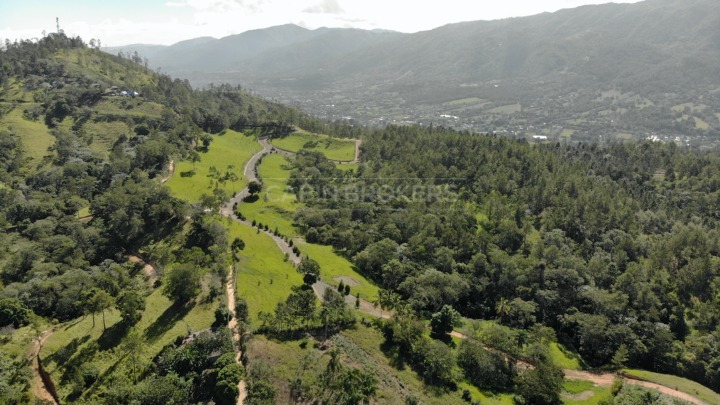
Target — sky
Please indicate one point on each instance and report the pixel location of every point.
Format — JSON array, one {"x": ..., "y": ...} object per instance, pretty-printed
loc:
[{"x": 166, "y": 22}]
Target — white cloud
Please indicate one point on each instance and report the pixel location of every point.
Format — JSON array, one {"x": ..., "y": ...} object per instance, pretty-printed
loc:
[{"x": 325, "y": 7}]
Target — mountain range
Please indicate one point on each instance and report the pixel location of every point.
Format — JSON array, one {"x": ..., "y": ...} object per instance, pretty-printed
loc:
[{"x": 487, "y": 75}]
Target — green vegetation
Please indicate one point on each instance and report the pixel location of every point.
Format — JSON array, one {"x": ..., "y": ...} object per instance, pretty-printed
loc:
[
  {"x": 677, "y": 383},
  {"x": 79, "y": 345},
  {"x": 576, "y": 387},
  {"x": 584, "y": 393},
  {"x": 124, "y": 107},
  {"x": 105, "y": 134},
  {"x": 36, "y": 137},
  {"x": 346, "y": 167},
  {"x": 264, "y": 277},
  {"x": 334, "y": 268},
  {"x": 332, "y": 148},
  {"x": 228, "y": 154},
  {"x": 551, "y": 246},
  {"x": 275, "y": 206},
  {"x": 563, "y": 358},
  {"x": 107, "y": 153},
  {"x": 701, "y": 124}
]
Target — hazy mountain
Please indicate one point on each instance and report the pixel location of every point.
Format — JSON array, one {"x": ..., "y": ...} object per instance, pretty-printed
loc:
[{"x": 650, "y": 49}]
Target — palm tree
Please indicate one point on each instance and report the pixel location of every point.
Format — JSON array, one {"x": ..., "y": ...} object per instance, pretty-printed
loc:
[
  {"x": 502, "y": 308},
  {"x": 194, "y": 157},
  {"x": 386, "y": 300}
]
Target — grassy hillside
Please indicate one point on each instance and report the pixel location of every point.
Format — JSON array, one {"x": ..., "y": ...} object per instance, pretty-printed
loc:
[
  {"x": 228, "y": 153},
  {"x": 275, "y": 205},
  {"x": 332, "y": 148},
  {"x": 78, "y": 345},
  {"x": 264, "y": 277},
  {"x": 36, "y": 137},
  {"x": 678, "y": 383}
]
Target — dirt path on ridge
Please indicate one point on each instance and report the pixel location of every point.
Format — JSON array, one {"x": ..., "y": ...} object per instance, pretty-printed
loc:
[
  {"x": 230, "y": 290},
  {"x": 171, "y": 171},
  {"x": 38, "y": 386},
  {"x": 148, "y": 269}
]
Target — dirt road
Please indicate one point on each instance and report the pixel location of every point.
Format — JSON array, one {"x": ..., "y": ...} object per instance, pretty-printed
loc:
[
  {"x": 38, "y": 389},
  {"x": 606, "y": 379},
  {"x": 148, "y": 269},
  {"x": 230, "y": 290}
]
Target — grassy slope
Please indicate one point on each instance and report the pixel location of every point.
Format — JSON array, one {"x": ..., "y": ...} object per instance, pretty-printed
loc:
[
  {"x": 575, "y": 391},
  {"x": 35, "y": 135},
  {"x": 160, "y": 325},
  {"x": 233, "y": 148},
  {"x": 261, "y": 264},
  {"x": 678, "y": 383},
  {"x": 275, "y": 207},
  {"x": 333, "y": 265},
  {"x": 563, "y": 358},
  {"x": 332, "y": 148},
  {"x": 105, "y": 134},
  {"x": 370, "y": 340},
  {"x": 128, "y": 107}
]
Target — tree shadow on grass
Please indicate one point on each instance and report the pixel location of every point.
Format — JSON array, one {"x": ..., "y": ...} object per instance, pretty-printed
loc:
[
  {"x": 63, "y": 354},
  {"x": 397, "y": 360},
  {"x": 187, "y": 173},
  {"x": 251, "y": 198},
  {"x": 103, "y": 377},
  {"x": 167, "y": 320},
  {"x": 112, "y": 336}
]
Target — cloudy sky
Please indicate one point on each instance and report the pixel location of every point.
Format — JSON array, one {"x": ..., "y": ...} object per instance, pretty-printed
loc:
[{"x": 169, "y": 21}]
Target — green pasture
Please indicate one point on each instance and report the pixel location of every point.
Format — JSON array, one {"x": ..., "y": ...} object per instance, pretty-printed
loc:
[
  {"x": 274, "y": 207},
  {"x": 227, "y": 153},
  {"x": 332, "y": 148},
  {"x": 264, "y": 277},
  {"x": 105, "y": 134},
  {"x": 584, "y": 393},
  {"x": 333, "y": 266},
  {"x": 128, "y": 107}
]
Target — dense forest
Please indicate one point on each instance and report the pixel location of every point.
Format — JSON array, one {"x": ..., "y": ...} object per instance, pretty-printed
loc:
[{"x": 614, "y": 248}]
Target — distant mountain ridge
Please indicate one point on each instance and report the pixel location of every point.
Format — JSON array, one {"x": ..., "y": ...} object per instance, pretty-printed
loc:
[{"x": 650, "y": 49}]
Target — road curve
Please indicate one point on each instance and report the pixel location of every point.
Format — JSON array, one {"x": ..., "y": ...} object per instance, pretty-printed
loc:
[
  {"x": 227, "y": 210},
  {"x": 606, "y": 379}
]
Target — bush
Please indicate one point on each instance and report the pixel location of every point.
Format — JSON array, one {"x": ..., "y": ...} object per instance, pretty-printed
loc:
[{"x": 222, "y": 316}]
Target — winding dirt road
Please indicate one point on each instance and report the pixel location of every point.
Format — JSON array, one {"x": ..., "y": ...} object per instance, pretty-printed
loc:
[
  {"x": 250, "y": 174},
  {"x": 606, "y": 379}
]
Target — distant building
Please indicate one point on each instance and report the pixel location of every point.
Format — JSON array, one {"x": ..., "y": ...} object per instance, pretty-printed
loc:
[{"x": 540, "y": 138}]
